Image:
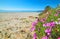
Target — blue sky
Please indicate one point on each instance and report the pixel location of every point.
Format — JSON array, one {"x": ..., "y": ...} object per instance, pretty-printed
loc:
[{"x": 27, "y": 4}]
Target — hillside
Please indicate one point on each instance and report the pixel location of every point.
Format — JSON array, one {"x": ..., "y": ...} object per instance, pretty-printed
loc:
[{"x": 48, "y": 24}]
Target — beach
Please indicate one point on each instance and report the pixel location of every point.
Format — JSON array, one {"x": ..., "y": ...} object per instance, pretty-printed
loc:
[{"x": 16, "y": 25}]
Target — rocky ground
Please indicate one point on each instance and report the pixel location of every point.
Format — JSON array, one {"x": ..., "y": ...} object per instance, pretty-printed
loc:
[{"x": 15, "y": 27}]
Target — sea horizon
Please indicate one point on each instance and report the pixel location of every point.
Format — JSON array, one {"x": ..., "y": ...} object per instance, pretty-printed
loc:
[{"x": 20, "y": 11}]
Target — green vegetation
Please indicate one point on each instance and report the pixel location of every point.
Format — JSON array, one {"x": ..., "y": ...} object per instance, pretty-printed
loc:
[{"x": 49, "y": 18}]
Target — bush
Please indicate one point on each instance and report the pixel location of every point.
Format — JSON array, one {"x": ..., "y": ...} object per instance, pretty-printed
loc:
[{"x": 47, "y": 27}]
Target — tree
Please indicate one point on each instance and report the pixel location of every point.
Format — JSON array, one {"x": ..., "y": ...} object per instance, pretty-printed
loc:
[
  {"x": 47, "y": 9},
  {"x": 58, "y": 7}
]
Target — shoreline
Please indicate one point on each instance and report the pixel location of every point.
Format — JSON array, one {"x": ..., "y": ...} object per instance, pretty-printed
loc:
[{"x": 23, "y": 14}]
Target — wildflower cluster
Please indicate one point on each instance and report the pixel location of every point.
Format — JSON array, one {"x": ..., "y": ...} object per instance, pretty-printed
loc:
[{"x": 47, "y": 28}]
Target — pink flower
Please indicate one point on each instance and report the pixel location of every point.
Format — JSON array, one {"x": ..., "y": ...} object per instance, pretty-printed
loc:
[
  {"x": 48, "y": 33},
  {"x": 45, "y": 37},
  {"x": 52, "y": 23},
  {"x": 42, "y": 20},
  {"x": 34, "y": 36},
  {"x": 58, "y": 38},
  {"x": 33, "y": 28},
  {"x": 44, "y": 24},
  {"x": 55, "y": 14},
  {"x": 49, "y": 24},
  {"x": 48, "y": 30},
  {"x": 35, "y": 22}
]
